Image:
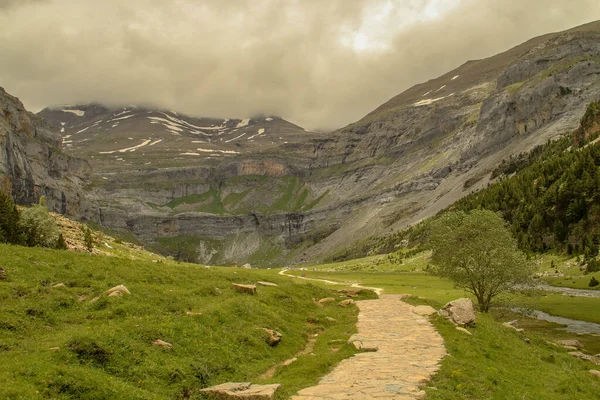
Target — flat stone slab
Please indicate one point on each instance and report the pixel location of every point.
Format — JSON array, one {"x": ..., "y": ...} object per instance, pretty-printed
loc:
[
  {"x": 268, "y": 284},
  {"x": 424, "y": 310},
  {"x": 408, "y": 352},
  {"x": 242, "y": 390}
]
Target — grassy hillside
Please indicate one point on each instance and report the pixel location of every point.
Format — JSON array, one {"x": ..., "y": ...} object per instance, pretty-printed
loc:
[{"x": 62, "y": 337}]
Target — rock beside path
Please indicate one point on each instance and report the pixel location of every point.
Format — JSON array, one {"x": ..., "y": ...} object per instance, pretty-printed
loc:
[
  {"x": 242, "y": 390},
  {"x": 247, "y": 289},
  {"x": 424, "y": 310},
  {"x": 346, "y": 303},
  {"x": 268, "y": 284},
  {"x": 460, "y": 311}
]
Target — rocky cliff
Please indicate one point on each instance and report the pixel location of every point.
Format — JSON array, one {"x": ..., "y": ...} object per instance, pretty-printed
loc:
[
  {"x": 265, "y": 190},
  {"x": 32, "y": 163}
]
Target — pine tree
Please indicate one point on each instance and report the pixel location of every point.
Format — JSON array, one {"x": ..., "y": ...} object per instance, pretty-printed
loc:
[
  {"x": 88, "y": 240},
  {"x": 10, "y": 231}
]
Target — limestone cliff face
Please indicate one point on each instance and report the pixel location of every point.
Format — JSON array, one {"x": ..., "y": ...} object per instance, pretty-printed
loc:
[{"x": 32, "y": 164}]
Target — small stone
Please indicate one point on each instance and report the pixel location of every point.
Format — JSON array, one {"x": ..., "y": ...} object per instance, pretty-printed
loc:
[
  {"x": 2, "y": 274},
  {"x": 424, "y": 310},
  {"x": 274, "y": 336},
  {"x": 247, "y": 289},
  {"x": 346, "y": 303},
  {"x": 81, "y": 298},
  {"x": 162, "y": 343},
  {"x": 54, "y": 348},
  {"x": 595, "y": 372},
  {"x": 268, "y": 284},
  {"x": 116, "y": 293},
  {"x": 58, "y": 285},
  {"x": 192, "y": 313},
  {"x": 460, "y": 328},
  {"x": 513, "y": 325},
  {"x": 327, "y": 300},
  {"x": 586, "y": 357},
  {"x": 119, "y": 288},
  {"x": 95, "y": 299},
  {"x": 570, "y": 348},
  {"x": 527, "y": 340},
  {"x": 331, "y": 319}
]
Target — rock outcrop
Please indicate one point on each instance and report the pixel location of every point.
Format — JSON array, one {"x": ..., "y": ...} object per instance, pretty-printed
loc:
[
  {"x": 242, "y": 390},
  {"x": 32, "y": 163}
]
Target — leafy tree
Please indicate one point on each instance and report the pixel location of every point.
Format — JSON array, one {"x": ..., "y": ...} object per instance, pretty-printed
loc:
[
  {"x": 39, "y": 228},
  {"x": 10, "y": 231},
  {"x": 478, "y": 253}
]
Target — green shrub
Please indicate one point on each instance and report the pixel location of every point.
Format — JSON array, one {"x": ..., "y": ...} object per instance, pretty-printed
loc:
[
  {"x": 38, "y": 226},
  {"x": 593, "y": 282}
]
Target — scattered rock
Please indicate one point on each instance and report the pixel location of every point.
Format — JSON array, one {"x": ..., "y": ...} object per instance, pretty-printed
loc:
[
  {"x": 162, "y": 343},
  {"x": 242, "y": 390},
  {"x": 248, "y": 289},
  {"x": 269, "y": 284},
  {"x": 513, "y": 325},
  {"x": 327, "y": 300},
  {"x": 58, "y": 285},
  {"x": 2, "y": 274},
  {"x": 350, "y": 292},
  {"x": 460, "y": 328},
  {"x": 570, "y": 343},
  {"x": 570, "y": 348},
  {"x": 192, "y": 313},
  {"x": 121, "y": 289},
  {"x": 54, "y": 348},
  {"x": 274, "y": 336},
  {"x": 346, "y": 303},
  {"x": 247, "y": 266},
  {"x": 116, "y": 293},
  {"x": 81, "y": 298},
  {"x": 424, "y": 310},
  {"x": 460, "y": 311},
  {"x": 95, "y": 299},
  {"x": 595, "y": 372},
  {"x": 331, "y": 319},
  {"x": 586, "y": 357},
  {"x": 527, "y": 340}
]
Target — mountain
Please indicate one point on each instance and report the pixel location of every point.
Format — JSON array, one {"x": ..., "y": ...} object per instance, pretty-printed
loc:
[
  {"x": 32, "y": 163},
  {"x": 219, "y": 191}
]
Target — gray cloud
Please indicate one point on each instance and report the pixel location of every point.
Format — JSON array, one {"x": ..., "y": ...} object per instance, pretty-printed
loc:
[{"x": 236, "y": 58}]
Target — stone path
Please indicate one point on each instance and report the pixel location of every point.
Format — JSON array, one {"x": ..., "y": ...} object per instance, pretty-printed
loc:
[{"x": 408, "y": 352}]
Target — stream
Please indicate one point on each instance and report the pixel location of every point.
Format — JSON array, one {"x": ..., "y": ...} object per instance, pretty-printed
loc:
[
  {"x": 569, "y": 291},
  {"x": 572, "y": 325}
]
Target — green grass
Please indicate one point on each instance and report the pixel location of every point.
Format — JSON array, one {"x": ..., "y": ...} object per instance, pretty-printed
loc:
[
  {"x": 105, "y": 347},
  {"x": 496, "y": 363}
]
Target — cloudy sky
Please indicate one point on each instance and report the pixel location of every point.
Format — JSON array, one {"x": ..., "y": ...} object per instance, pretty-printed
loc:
[{"x": 319, "y": 63}]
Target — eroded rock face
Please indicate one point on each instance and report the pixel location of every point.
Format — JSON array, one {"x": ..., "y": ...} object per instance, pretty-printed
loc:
[
  {"x": 460, "y": 311},
  {"x": 32, "y": 163}
]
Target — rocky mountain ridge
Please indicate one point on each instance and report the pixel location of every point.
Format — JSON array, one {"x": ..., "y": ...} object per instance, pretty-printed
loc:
[{"x": 318, "y": 194}]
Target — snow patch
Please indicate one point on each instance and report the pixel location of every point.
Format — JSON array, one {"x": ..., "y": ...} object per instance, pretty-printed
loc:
[
  {"x": 62, "y": 130},
  {"x": 268, "y": 119},
  {"x": 156, "y": 142},
  {"x": 62, "y": 123},
  {"x": 427, "y": 93},
  {"x": 79, "y": 113},
  {"x": 443, "y": 86},
  {"x": 131, "y": 149},
  {"x": 218, "y": 151},
  {"x": 430, "y": 101},
  {"x": 121, "y": 118},
  {"x": 189, "y": 154},
  {"x": 455, "y": 77},
  {"x": 260, "y": 132},
  {"x": 243, "y": 123},
  {"x": 235, "y": 138},
  {"x": 83, "y": 130}
]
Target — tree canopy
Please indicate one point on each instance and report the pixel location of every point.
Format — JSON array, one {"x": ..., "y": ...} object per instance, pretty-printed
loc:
[{"x": 478, "y": 253}]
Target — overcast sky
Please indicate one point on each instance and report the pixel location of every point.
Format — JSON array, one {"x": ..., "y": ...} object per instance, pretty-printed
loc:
[{"x": 319, "y": 63}]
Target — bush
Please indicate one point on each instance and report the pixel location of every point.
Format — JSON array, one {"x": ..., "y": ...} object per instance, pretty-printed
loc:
[
  {"x": 593, "y": 282},
  {"x": 38, "y": 226}
]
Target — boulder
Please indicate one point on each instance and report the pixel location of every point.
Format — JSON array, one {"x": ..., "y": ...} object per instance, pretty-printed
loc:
[
  {"x": 58, "y": 285},
  {"x": 274, "y": 337},
  {"x": 570, "y": 343},
  {"x": 242, "y": 390},
  {"x": 116, "y": 293},
  {"x": 350, "y": 292},
  {"x": 327, "y": 300},
  {"x": 424, "y": 310},
  {"x": 2, "y": 274},
  {"x": 513, "y": 325},
  {"x": 120, "y": 288},
  {"x": 247, "y": 266},
  {"x": 163, "y": 344},
  {"x": 586, "y": 357},
  {"x": 247, "y": 289},
  {"x": 269, "y": 284},
  {"x": 331, "y": 319},
  {"x": 460, "y": 311},
  {"x": 346, "y": 303},
  {"x": 595, "y": 372}
]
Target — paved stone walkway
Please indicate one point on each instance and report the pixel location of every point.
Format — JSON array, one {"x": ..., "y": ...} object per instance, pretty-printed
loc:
[{"x": 408, "y": 352}]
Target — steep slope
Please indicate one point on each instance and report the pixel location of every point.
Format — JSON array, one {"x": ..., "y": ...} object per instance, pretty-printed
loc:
[
  {"x": 33, "y": 165},
  {"x": 265, "y": 199}
]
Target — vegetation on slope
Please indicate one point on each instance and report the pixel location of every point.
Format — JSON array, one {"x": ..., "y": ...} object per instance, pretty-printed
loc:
[{"x": 57, "y": 342}]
